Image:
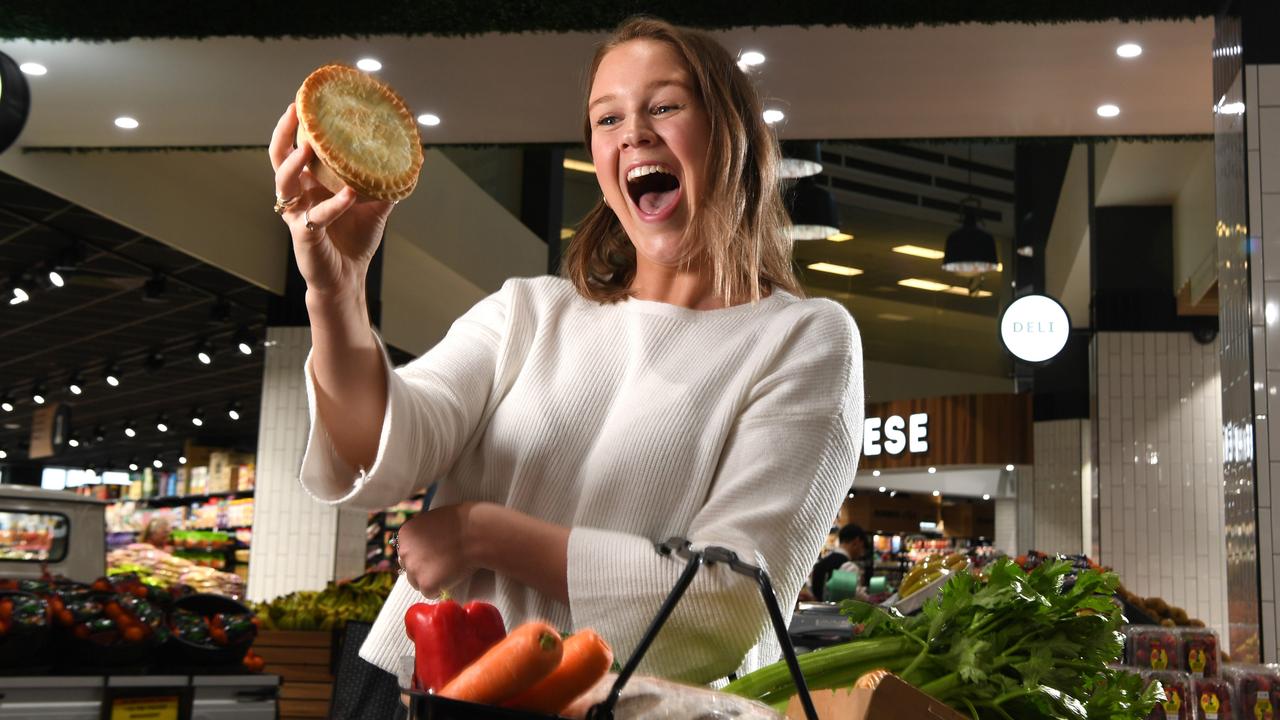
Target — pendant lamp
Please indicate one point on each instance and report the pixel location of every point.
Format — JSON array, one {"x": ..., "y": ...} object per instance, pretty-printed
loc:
[
  {"x": 15, "y": 101},
  {"x": 812, "y": 210},
  {"x": 970, "y": 250},
  {"x": 800, "y": 158}
]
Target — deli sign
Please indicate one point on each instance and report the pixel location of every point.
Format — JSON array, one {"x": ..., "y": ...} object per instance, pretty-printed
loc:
[
  {"x": 1035, "y": 328},
  {"x": 894, "y": 434}
]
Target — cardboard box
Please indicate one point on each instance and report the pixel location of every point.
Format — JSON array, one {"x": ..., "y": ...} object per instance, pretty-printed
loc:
[
  {"x": 219, "y": 472},
  {"x": 891, "y": 699}
]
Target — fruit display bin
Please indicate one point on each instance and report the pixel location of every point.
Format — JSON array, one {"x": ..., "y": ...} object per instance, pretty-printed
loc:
[{"x": 425, "y": 706}]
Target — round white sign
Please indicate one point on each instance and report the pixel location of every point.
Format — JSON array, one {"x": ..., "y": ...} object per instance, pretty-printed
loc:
[{"x": 1035, "y": 328}]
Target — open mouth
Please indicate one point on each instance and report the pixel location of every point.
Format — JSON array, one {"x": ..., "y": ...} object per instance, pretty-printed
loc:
[{"x": 654, "y": 189}]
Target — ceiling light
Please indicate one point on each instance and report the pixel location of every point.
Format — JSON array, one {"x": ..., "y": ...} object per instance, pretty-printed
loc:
[
  {"x": 933, "y": 470},
  {"x": 922, "y": 252},
  {"x": 368, "y": 65},
  {"x": 1027, "y": 251},
  {"x": 835, "y": 269},
  {"x": 204, "y": 351},
  {"x": 157, "y": 464},
  {"x": 124, "y": 122},
  {"x": 773, "y": 115},
  {"x": 921, "y": 284},
  {"x": 20, "y": 291},
  {"x": 894, "y": 317},
  {"x": 1232, "y": 108},
  {"x": 750, "y": 58},
  {"x": 840, "y": 237},
  {"x": 970, "y": 249},
  {"x": 197, "y": 417},
  {"x": 162, "y": 423},
  {"x": 1108, "y": 111},
  {"x": 6, "y": 402},
  {"x": 15, "y": 101},
  {"x": 130, "y": 430},
  {"x": 812, "y": 210},
  {"x": 99, "y": 433},
  {"x": 3, "y": 454},
  {"x": 875, "y": 473},
  {"x": 883, "y": 488},
  {"x": 233, "y": 411},
  {"x": 112, "y": 375},
  {"x": 1129, "y": 50},
  {"x": 38, "y": 393},
  {"x": 182, "y": 459},
  {"x": 986, "y": 496},
  {"x": 429, "y": 120},
  {"x": 937, "y": 493},
  {"x": 56, "y": 279},
  {"x": 566, "y": 233},
  {"x": 75, "y": 384},
  {"x": 245, "y": 340},
  {"x": 893, "y": 493},
  {"x": 800, "y": 159},
  {"x": 133, "y": 465},
  {"x": 1009, "y": 468},
  {"x": 73, "y": 441},
  {"x": 959, "y": 290},
  {"x": 33, "y": 68},
  {"x": 581, "y": 166}
]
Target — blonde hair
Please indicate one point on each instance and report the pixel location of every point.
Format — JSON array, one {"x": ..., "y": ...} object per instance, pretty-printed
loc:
[{"x": 739, "y": 227}]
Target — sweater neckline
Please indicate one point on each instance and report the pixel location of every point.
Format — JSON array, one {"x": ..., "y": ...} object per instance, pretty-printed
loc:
[{"x": 656, "y": 307}]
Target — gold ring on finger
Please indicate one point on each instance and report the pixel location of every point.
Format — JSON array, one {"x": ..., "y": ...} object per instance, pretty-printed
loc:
[{"x": 283, "y": 203}]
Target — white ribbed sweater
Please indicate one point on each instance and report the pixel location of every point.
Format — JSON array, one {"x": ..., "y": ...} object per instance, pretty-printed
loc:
[{"x": 629, "y": 423}]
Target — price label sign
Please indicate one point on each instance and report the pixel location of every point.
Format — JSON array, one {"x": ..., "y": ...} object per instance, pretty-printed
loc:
[{"x": 145, "y": 708}]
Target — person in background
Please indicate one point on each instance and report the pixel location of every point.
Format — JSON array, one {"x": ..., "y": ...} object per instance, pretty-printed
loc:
[
  {"x": 157, "y": 533},
  {"x": 853, "y": 548}
]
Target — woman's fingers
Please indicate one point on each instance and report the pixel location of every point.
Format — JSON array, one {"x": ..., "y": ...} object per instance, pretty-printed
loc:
[
  {"x": 289, "y": 172},
  {"x": 282, "y": 137},
  {"x": 320, "y": 215}
]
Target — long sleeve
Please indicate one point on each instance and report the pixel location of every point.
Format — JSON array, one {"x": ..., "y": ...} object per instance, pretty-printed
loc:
[
  {"x": 822, "y": 572},
  {"x": 787, "y": 463},
  {"x": 434, "y": 406}
]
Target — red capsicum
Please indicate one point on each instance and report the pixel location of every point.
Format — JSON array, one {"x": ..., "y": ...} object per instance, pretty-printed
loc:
[{"x": 447, "y": 637}]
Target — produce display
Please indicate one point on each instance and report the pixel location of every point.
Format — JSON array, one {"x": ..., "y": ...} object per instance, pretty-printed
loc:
[
  {"x": 1257, "y": 689},
  {"x": 113, "y": 619},
  {"x": 1011, "y": 644},
  {"x": 1178, "y": 703},
  {"x": 462, "y": 652},
  {"x": 217, "y": 630},
  {"x": 355, "y": 600},
  {"x": 1213, "y": 699},
  {"x": 1199, "y": 652},
  {"x": 1151, "y": 647},
  {"x": 158, "y": 568},
  {"x": 1159, "y": 610},
  {"x": 20, "y": 612}
]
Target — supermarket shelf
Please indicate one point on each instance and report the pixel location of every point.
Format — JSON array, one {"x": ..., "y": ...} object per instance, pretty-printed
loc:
[{"x": 173, "y": 500}]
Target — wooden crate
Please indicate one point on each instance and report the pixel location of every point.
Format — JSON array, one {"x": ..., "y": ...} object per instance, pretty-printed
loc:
[{"x": 304, "y": 661}]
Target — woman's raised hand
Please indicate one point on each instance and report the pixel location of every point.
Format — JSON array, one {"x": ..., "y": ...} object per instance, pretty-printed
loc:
[{"x": 334, "y": 236}]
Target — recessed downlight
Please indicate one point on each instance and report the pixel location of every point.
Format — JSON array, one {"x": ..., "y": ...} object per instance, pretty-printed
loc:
[
  {"x": 124, "y": 122},
  {"x": 751, "y": 58},
  {"x": 773, "y": 115},
  {"x": 33, "y": 68},
  {"x": 581, "y": 166},
  {"x": 986, "y": 496},
  {"x": 1108, "y": 111},
  {"x": 920, "y": 252},
  {"x": 834, "y": 269},
  {"x": 368, "y": 64},
  {"x": 429, "y": 119},
  {"x": 840, "y": 237},
  {"x": 1129, "y": 50}
]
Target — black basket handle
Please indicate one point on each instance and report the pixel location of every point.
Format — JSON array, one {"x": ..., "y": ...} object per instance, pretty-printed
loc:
[{"x": 694, "y": 560}]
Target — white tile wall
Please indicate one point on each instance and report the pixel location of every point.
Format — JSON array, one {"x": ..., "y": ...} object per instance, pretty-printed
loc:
[
  {"x": 1006, "y": 539},
  {"x": 298, "y": 544},
  {"x": 1056, "y": 506},
  {"x": 1264, "y": 233},
  {"x": 1160, "y": 469}
]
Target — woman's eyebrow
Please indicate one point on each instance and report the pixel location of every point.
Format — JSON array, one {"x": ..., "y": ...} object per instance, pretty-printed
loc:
[{"x": 656, "y": 84}]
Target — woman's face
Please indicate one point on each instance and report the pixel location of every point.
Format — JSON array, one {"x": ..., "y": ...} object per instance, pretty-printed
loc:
[{"x": 649, "y": 136}]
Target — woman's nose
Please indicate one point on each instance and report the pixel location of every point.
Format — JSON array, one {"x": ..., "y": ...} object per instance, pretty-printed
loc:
[{"x": 638, "y": 133}]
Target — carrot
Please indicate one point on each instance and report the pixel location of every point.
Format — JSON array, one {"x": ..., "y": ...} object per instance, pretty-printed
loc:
[
  {"x": 527, "y": 655},
  {"x": 587, "y": 657}
]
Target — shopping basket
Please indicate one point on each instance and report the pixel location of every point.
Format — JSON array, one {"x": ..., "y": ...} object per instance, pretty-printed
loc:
[{"x": 424, "y": 706}]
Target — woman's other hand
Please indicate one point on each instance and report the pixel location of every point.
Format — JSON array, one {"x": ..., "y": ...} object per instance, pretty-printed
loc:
[
  {"x": 432, "y": 548},
  {"x": 334, "y": 236}
]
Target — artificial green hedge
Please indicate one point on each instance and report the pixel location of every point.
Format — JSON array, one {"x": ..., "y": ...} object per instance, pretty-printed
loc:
[{"x": 124, "y": 19}]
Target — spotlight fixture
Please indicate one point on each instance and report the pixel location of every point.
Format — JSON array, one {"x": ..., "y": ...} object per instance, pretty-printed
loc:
[
  {"x": 197, "y": 417},
  {"x": 15, "y": 100},
  {"x": 875, "y": 473},
  {"x": 893, "y": 493},
  {"x": 800, "y": 159},
  {"x": 153, "y": 291},
  {"x": 162, "y": 423},
  {"x": 986, "y": 496},
  {"x": 933, "y": 470},
  {"x": 937, "y": 493},
  {"x": 38, "y": 392},
  {"x": 19, "y": 290},
  {"x": 48, "y": 277},
  {"x": 182, "y": 459},
  {"x": 883, "y": 488},
  {"x": 99, "y": 433},
  {"x": 157, "y": 463},
  {"x": 130, "y": 430},
  {"x": 3, "y": 454},
  {"x": 204, "y": 351},
  {"x": 74, "y": 440},
  {"x": 133, "y": 464},
  {"x": 75, "y": 383},
  {"x": 245, "y": 340},
  {"x": 812, "y": 210},
  {"x": 154, "y": 361},
  {"x": 112, "y": 374},
  {"x": 6, "y": 402},
  {"x": 233, "y": 410}
]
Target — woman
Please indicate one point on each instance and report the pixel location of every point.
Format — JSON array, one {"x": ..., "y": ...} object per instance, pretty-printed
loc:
[{"x": 674, "y": 385}]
